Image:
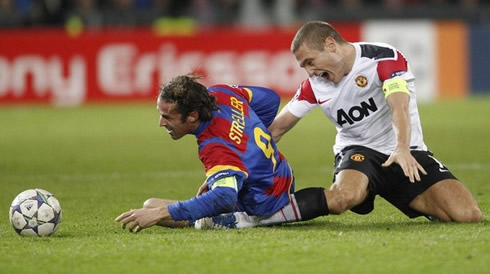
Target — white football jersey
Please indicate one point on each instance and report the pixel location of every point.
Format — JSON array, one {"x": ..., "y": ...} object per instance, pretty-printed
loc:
[{"x": 357, "y": 104}]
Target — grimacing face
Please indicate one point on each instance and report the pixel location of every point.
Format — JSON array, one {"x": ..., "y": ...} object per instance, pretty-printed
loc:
[
  {"x": 328, "y": 63},
  {"x": 171, "y": 119}
]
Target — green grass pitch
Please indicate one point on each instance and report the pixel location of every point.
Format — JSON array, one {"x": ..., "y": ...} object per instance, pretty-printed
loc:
[{"x": 101, "y": 160}]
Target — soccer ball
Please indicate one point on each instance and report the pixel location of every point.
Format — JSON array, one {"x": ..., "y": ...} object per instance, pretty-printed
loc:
[{"x": 35, "y": 212}]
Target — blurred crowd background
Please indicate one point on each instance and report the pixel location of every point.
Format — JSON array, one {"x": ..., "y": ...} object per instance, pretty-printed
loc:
[{"x": 244, "y": 13}]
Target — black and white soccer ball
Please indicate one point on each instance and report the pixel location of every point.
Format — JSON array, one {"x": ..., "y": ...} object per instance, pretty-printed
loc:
[{"x": 35, "y": 212}]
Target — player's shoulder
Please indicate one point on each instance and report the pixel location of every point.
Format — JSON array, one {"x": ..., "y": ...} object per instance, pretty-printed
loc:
[
  {"x": 222, "y": 88},
  {"x": 240, "y": 92},
  {"x": 305, "y": 92},
  {"x": 376, "y": 51}
]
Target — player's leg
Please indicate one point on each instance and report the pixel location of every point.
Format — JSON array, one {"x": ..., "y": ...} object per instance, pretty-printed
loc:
[
  {"x": 157, "y": 202},
  {"x": 305, "y": 204},
  {"x": 353, "y": 189},
  {"x": 438, "y": 194},
  {"x": 349, "y": 190},
  {"x": 448, "y": 200}
]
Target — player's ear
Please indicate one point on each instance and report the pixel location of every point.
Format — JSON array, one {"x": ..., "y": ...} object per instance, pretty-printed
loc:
[
  {"x": 193, "y": 117},
  {"x": 330, "y": 44}
]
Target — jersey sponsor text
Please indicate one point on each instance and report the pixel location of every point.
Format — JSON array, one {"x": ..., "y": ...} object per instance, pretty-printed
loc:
[{"x": 356, "y": 113}]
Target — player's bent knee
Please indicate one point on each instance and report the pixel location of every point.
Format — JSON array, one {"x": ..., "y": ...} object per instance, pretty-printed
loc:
[
  {"x": 468, "y": 215},
  {"x": 349, "y": 190},
  {"x": 339, "y": 202}
]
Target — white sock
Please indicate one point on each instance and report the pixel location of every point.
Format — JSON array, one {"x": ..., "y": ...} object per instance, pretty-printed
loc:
[
  {"x": 243, "y": 220},
  {"x": 289, "y": 213}
]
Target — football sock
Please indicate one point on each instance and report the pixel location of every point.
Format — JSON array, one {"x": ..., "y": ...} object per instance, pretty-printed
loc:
[
  {"x": 305, "y": 204},
  {"x": 311, "y": 202},
  {"x": 289, "y": 213}
]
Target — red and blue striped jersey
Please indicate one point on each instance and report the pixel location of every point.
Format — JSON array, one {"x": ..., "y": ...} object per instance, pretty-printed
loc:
[{"x": 236, "y": 142}]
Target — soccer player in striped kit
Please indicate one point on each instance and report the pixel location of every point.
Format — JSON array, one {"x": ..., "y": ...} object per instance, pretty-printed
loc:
[
  {"x": 245, "y": 173},
  {"x": 368, "y": 91}
]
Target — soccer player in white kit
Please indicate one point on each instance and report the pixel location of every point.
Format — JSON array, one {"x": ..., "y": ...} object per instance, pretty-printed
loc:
[{"x": 367, "y": 90}]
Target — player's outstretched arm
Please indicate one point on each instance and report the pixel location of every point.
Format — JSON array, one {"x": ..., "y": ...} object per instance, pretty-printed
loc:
[
  {"x": 139, "y": 219},
  {"x": 398, "y": 103},
  {"x": 284, "y": 121}
]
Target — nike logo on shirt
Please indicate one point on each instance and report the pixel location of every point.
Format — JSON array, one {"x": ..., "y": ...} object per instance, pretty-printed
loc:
[{"x": 321, "y": 102}]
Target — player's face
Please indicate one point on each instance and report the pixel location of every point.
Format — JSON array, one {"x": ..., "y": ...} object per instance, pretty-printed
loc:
[
  {"x": 327, "y": 63},
  {"x": 171, "y": 119}
]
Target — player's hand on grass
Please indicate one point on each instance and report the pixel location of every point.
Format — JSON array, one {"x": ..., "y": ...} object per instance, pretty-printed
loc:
[
  {"x": 139, "y": 219},
  {"x": 407, "y": 162}
]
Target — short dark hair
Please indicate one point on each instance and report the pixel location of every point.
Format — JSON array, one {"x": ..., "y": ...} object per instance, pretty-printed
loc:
[
  {"x": 313, "y": 34},
  {"x": 189, "y": 95}
]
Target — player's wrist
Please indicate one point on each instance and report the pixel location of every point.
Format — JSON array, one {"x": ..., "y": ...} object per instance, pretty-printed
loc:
[
  {"x": 163, "y": 213},
  {"x": 402, "y": 146}
]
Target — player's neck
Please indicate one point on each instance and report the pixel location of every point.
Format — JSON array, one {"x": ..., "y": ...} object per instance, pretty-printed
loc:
[{"x": 349, "y": 57}]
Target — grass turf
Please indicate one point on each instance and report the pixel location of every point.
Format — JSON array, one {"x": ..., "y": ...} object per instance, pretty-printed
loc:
[{"x": 102, "y": 160}]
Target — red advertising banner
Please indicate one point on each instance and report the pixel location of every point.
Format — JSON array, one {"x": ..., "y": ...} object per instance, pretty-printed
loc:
[{"x": 49, "y": 66}]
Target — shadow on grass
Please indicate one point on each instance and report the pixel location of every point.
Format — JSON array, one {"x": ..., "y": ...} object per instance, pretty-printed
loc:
[{"x": 373, "y": 226}]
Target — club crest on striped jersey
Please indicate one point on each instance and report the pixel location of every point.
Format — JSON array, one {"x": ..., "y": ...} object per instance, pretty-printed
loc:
[{"x": 361, "y": 81}]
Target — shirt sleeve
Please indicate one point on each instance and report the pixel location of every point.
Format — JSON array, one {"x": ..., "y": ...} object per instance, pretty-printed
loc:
[
  {"x": 216, "y": 201},
  {"x": 223, "y": 196},
  {"x": 391, "y": 68},
  {"x": 303, "y": 101}
]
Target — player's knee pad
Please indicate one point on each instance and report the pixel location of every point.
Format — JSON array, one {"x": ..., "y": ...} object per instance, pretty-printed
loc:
[{"x": 311, "y": 202}]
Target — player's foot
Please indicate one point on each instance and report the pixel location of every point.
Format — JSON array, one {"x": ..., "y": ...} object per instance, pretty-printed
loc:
[{"x": 222, "y": 221}]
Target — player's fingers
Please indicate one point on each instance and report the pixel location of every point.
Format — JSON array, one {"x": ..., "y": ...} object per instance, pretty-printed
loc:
[
  {"x": 388, "y": 162},
  {"x": 407, "y": 172},
  {"x": 124, "y": 223},
  {"x": 417, "y": 175},
  {"x": 127, "y": 220},
  {"x": 200, "y": 191},
  {"x": 419, "y": 167},
  {"x": 410, "y": 177},
  {"x": 134, "y": 227},
  {"x": 124, "y": 215}
]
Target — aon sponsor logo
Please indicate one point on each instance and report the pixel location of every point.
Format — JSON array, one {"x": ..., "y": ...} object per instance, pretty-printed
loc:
[{"x": 356, "y": 113}]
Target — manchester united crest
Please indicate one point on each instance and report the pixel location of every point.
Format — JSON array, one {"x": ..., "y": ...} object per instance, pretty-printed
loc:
[
  {"x": 357, "y": 157},
  {"x": 361, "y": 81}
]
